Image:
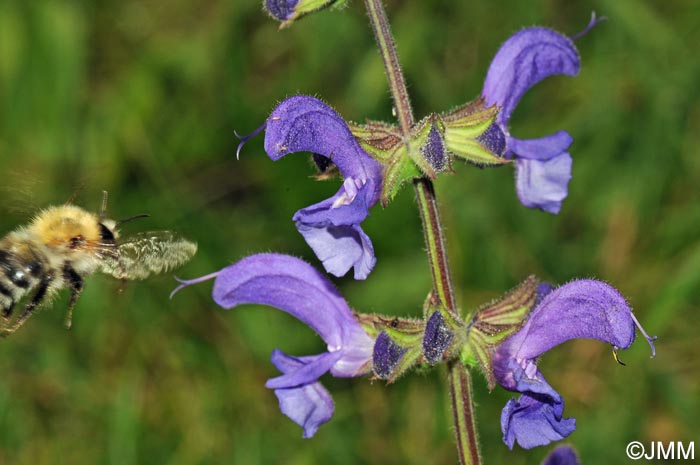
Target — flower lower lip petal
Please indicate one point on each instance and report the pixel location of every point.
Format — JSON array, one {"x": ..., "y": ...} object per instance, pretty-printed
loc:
[{"x": 306, "y": 374}]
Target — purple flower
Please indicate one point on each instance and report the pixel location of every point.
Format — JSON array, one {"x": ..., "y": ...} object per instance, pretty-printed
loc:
[
  {"x": 295, "y": 287},
  {"x": 562, "y": 455},
  {"x": 581, "y": 309},
  {"x": 543, "y": 166},
  {"x": 331, "y": 227}
]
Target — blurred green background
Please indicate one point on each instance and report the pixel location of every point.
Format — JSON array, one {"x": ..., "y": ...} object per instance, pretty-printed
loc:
[{"x": 141, "y": 98}]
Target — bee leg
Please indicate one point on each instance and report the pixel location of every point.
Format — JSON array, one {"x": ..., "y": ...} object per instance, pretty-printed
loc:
[
  {"x": 6, "y": 295},
  {"x": 7, "y": 311},
  {"x": 76, "y": 288},
  {"x": 37, "y": 298},
  {"x": 6, "y": 314}
]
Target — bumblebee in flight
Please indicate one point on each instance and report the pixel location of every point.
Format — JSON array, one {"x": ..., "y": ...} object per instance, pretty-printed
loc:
[{"x": 63, "y": 245}]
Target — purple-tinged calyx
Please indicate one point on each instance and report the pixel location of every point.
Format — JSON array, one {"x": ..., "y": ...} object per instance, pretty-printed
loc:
[
  {"x": 287, "y": 11},
  {"x": 433, "y": 149},
  {"x": 431, "y": 145},
  {"x": 281, "y": 10},
  {"x": 295, "y": 287},
  {"x": 331, "y": 227},
  {"x": 581, "y": 309},
  {"x": 493, "y": 139},
  {"x": 437, "y": 338},
  {"x": 495, "y": 322},
  {"x": 543, "y": 166},
  {"x": 386, "y": 356},
  {"x": 470, "y": 135}
]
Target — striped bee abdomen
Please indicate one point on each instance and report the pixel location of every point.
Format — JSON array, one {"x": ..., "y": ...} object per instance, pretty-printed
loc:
[{"x": 21, "y": 270}]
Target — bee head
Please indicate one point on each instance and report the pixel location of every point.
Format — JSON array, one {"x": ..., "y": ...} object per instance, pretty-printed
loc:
[{"x": 108, "y": 230}]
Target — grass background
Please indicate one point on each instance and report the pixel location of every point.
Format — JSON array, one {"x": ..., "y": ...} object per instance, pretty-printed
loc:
[{"x": 141, "y": 99}]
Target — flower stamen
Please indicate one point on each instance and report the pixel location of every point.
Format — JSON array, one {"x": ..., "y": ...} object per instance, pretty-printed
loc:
[
  {"x": 245, "y": 139},
  {"x": 650, "y": 339},
  {"x": 188, "y": 282},
  {"x": 591, "y": 24},
  {"x": 616, "y": 349}
]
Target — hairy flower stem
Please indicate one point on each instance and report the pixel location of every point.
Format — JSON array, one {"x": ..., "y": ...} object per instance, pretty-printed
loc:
[
  {"x": 387, "y": 49},
  {"x": 460, "y": 381},
  {"x": 435, "y": 242},
  {"x": 463, "y": 412},
  {"x": 425, "y": 194}
]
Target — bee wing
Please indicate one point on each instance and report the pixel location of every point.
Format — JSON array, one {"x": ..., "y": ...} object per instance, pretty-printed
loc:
[{"x": 140, "y": 255}]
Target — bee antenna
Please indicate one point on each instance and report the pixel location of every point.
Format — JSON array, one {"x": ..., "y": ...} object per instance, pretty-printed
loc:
[
  {"x": 132, "y": 218},
  {"x": 103, "y": 208}
]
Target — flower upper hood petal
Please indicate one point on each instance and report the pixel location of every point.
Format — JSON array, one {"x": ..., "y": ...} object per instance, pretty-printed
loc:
[
  {"x": 306, "y": 124},
  {"x": 523, "y": 60},
  {"x": 295, "y": 287},
  {"x": 584, "y": 308}
]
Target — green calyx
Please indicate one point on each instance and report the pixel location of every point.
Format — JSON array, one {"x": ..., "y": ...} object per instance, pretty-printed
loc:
[
  {"x": 464, "y": 125},
  {"x": 304, "y": 7},
  {"x": 473, "y": 343},
  {"x": 495, "y": 322},
  {"x": 431, "y": 145},
  {"x": 405, "y": 332}
]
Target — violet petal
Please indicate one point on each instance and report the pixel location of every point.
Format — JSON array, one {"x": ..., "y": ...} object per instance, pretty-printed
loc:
[
  {"x": 306, "y": 124},
  {"x": 309, "y": 405},
  {"x": 584, "y": 308},
  {"x": 313, "y": 368},
  {"x": 543, "y": 184},
  {"x": 581, "y": 309},
  {"x": 562, "y": 455},
  {"x": 543, "y": 289},
  {"x": 543, "y": 148},
  {"x": 523, "y": 60},
  {"x": 533, "y": 423},
  {"x": 295, "y": 287},
  {"x": 331, "y": 227},
  {"x": 340, "y": 247},
  {"x": 523, "y": 376}
]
